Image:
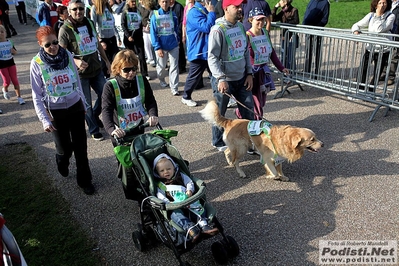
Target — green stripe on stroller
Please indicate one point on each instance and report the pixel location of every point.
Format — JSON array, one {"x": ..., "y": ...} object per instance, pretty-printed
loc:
[{"x": 156, "y": 225}]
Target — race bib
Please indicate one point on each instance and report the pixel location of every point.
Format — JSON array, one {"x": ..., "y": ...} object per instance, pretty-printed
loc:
[
  {"x": 237, "y": 43},
  {"x": 256, "y": 127},
  {"x": 87, "y": 45},
  {"x": 262, "y": 49}
]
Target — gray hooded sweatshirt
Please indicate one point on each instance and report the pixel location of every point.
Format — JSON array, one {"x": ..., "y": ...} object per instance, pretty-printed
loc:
[{"x": 218, "y": 53}]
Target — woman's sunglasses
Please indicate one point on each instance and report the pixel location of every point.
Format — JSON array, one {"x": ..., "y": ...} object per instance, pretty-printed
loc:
[
  {"x": 47, "y": 45},
  {"x": 128, "y": 69},
  {"x": 78, "y": 8}
]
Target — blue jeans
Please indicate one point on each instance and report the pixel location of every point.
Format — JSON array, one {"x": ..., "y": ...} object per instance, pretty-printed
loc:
[
  {"x": 92, "y": 113},
  {"x": 238, "y": 90},
  {"x": 194, "y": 77},
  {"x": 183, "y": 221}
]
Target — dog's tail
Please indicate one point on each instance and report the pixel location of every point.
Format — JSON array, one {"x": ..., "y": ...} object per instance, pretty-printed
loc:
[{"x": 211, "y": 114}]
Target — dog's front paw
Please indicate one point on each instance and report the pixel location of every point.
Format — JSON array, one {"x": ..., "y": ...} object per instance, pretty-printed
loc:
[
  {"x": 283, "y": 178},
  {"x": 243, "y": 176}
]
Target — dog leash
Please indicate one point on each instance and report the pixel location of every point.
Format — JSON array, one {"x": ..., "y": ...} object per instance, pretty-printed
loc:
[{"x": 243, "y": 105}]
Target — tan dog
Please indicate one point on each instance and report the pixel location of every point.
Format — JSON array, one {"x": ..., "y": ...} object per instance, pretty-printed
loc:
[{"x": 281, "y": 141}]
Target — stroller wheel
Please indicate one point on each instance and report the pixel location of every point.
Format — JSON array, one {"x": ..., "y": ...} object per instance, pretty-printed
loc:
[
  {"x": 138, "y": 240},
  {"x": 219, "y": 253},
  {"x": 231, "y": 246}
]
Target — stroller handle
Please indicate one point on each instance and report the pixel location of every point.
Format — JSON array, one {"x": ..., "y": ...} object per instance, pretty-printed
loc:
[
  {"x": 120, "y": 141},
  {"x": 147, "y": 124}
]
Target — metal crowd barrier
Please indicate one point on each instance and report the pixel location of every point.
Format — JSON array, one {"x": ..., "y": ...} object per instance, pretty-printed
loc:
[{"x": 332, "y": 60}]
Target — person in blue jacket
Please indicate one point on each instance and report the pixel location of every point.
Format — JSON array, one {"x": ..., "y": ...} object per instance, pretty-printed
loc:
[
  {"x": 47, "y": 14},
  {"x": 164, "y": 28},
  {"x": 316, "y": 14},
  {"x": 200, "y": 19}
]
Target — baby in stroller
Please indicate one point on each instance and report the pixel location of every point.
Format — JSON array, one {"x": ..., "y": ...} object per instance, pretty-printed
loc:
[
  {"x": 175, "y": 186},
  {"x": 164, "y": 188}
]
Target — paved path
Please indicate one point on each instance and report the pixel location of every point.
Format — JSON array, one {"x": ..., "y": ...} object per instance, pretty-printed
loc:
[{"x": 347, "y": 191}]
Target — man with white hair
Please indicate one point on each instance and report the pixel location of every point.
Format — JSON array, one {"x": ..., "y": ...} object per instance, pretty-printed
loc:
[{"x": 79, "y": 36}]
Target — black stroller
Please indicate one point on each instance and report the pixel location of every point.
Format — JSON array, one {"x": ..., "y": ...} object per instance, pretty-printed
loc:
[{"x": 156, "y": 225}]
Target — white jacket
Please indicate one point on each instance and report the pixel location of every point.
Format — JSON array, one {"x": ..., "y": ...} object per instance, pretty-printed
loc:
[{"x": 373, "y": 23}]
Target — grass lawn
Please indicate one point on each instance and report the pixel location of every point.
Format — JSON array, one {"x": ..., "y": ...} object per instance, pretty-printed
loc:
[
  {"x": 37, "y": 215},
  {"x": 342, "y": 14}
]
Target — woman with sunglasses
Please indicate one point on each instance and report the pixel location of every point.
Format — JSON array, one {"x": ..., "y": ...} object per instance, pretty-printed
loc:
[
  {"x": 60, "y": 105},
  {"x": 127, "y": 99}
]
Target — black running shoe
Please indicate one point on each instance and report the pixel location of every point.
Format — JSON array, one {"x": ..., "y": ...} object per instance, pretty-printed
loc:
[{"x": 97, "y": 136}]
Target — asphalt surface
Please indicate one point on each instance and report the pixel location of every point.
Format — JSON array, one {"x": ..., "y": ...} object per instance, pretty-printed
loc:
[{"x": 348, "y": 191}]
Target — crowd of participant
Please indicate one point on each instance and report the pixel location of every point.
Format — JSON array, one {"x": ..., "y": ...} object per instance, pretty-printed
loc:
[{"x": 232, "y": 44}]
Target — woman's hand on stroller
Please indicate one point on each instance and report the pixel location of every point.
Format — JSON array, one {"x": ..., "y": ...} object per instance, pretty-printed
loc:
[
  {"x": 153, "y": 121},
  {"x": 118, "y": 132}
]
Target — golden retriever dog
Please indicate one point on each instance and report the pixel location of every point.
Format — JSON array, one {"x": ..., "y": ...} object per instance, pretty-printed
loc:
[{"x": 274, "y": 144}]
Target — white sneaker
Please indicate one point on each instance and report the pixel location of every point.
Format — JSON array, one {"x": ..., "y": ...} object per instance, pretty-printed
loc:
[
  {"x": 21, "y": 101},
  {"x": 232, "y": 103},
  {"x": 148, "y": 77},
  {"x": 163, "y": 84},
  {"x": 175, "y": 92},
  {"x": 221, "y": 148},
  {"x": 6, "y": 95},
  {"x": 352, "y": 98},
  {"x": 190, "y": 102},
  {"x": 151, "y": 62},
  {"x": 253, "y": 151}
]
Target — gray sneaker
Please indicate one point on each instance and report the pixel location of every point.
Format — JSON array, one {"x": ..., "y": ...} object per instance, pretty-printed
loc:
[
  {"x": 163, "y": 84},
  {"x": 175, "y": 92},
  {"x": 21, "y": 101}
]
